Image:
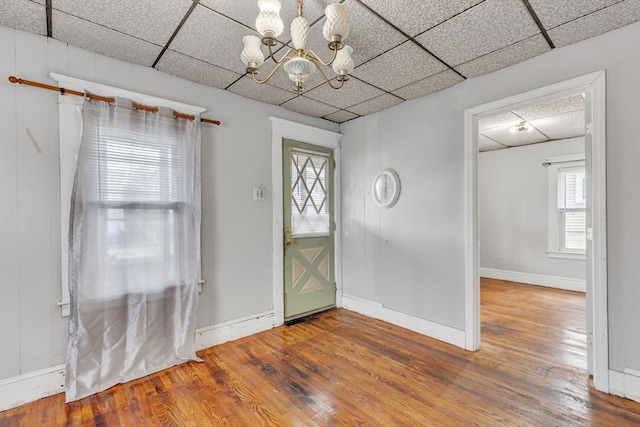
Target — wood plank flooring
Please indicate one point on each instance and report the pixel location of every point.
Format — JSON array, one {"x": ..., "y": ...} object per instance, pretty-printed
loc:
[{"x": 342, "y": 369}]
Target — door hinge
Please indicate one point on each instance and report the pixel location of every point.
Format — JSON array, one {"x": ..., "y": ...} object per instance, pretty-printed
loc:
[{"x": 334, "y": 163}]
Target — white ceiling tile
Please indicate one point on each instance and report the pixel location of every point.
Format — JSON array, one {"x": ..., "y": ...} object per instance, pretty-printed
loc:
[
  {"x": 399, "y": 67},
  {"x": 376, "y": 104},
  {"x": 353, "y": 92},
  {"x": 416, "y": 16},
  {"x": 552, "y": 108},
  {"x": 150, "y": 20},
  {"x": 610, "y": 18},
  {"x": 341, "y": 116},
  {"x": 553, "y": 12},
  {"x": 369, "y": 35},
  {"x": 485, "y": 28},
  {"x": 309, "y": 107},
  {"x": 504, "y": 136},
  {"x": 487, "y": 144},
  {"x": 103, "y": 40},
  {"x": 429, "y": 85},
  {"x": 562, "y": 126},
  {"x": 260, "y": 92},
  {"x": 504, "y": 57},
  {"x": 195, "y": 70},
  {"x": 200, "y": 37},
  {"x": 24, "y": 15},
  {"x": 498, "y": 121},
  {"x": 246, "y": 12}
]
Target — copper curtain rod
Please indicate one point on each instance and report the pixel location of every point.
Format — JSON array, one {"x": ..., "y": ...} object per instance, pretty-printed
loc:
[{"x": 64, "y": 91}]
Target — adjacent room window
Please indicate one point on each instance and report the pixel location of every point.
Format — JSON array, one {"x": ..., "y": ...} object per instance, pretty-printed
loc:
[{"x": 567, "y": 207}]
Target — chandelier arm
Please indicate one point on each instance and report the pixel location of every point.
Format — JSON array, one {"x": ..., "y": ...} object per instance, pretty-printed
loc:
[
  {"x": 314, "y": 56},
  {"x": 277, "y": 67},
  {"x": 284, "y": 57},
  {"x": 326, "y": 79}
]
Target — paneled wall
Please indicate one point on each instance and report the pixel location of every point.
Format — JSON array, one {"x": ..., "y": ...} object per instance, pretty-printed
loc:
[
  {"x": 236, "y": 231},
  {"x": 411, "y": 257}
]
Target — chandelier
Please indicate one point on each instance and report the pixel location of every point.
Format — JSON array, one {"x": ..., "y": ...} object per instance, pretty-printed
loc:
[{"x": 299, "y": 62}]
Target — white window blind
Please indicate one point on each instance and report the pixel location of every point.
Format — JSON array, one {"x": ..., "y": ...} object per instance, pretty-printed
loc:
[{"x": 571, "y": 207}]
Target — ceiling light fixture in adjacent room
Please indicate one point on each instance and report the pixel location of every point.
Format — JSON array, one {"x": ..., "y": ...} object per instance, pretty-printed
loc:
[
  {"x": 521, "y": 127},
  {"x": 299, "y": 62}
]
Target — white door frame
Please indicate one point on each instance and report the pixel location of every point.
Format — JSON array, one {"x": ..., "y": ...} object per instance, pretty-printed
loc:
[
  {"x": 593, "y": 85},
  {"x": 281, "y": 128}
]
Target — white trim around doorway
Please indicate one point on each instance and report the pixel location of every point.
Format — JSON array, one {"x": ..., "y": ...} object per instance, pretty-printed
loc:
[
  {"x": 593, "y": 85},
  {"x": 281, "y": 128}
]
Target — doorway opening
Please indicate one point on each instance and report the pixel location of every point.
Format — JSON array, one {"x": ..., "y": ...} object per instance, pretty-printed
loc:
[{"x": 593, "y": 86}]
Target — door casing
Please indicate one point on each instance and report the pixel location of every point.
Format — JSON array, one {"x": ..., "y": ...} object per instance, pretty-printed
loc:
[{"x": 285, "y": 129}]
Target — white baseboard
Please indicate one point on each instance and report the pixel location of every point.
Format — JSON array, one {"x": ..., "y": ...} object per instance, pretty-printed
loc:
[
  {"x": 29, "y": 387},
  {"x": 625, "y": 384},
  {"x": 567, "y": 283},
  {"x": 234, "y": 329},
  {"x": 377, "y": 311},
  {"x": 21, "y": 389}
]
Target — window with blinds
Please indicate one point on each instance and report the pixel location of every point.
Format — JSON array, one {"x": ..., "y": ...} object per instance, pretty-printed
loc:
[{"x": 571, "y": 207}]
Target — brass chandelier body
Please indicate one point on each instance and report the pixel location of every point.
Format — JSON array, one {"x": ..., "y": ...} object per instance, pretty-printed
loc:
[{"x": 298, "y": 61}]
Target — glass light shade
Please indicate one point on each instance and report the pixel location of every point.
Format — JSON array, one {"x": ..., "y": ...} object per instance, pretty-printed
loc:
[
  {"x": 299, "y": 32},
  {"x": 299, "y": 66},
  {"x": 252, "y": 51},
  {"x": 268, "y": 19},
  {"x": 343, "y": 60},
  {"x": 336, "y": 24}
]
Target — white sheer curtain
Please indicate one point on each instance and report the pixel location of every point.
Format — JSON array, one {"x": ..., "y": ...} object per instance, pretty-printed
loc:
[{"x": 134, "y": 246}]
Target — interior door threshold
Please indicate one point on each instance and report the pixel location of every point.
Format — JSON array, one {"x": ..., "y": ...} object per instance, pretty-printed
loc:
[{"x": 290, "y": 321}]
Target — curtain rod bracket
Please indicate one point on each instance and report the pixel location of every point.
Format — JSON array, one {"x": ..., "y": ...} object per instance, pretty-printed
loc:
[{"x": 62, "y": 91}]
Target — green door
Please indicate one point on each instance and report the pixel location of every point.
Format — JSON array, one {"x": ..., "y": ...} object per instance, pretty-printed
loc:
[{"x": 309, "y": 280}]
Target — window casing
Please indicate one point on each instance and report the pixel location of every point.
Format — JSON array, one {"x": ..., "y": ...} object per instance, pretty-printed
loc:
[{"x": 567, "y": 207}]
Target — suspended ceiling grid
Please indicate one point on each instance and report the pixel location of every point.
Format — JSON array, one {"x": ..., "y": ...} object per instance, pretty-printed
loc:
[{"x": 402, "y": 49}]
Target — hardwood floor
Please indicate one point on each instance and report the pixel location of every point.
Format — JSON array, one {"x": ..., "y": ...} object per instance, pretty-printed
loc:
[{"x": 343, "y": 369}]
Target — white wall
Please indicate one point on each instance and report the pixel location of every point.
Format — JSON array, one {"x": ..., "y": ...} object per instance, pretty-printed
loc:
[
  {"x": 411, "y": 258},
  {"x": 513, "y": 190},
  {"x": 236, "y": 230}
]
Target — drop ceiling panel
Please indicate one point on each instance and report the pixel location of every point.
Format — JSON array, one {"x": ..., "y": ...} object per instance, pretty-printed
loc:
[
  {"x": 552, "y": 108},
  {"x": 369, "y": 35},
  {"x": 309, "y": 107},
  {"x": 610, "y": 18},
  {"x": 247, "y": 11},
  {"x": 504, "y": 136},
  {"x": 498, "y": 121},
  {"x": 504, "y": 57},
  {"x": 195, "y": 70},
  {"x": 261, "y": 92},
  {"x": 562, "y": 126},
  {"x": 487, "y": 144},
  {"x": 378, "y": 103},
  {"x": 150, "y": 20},
  {"x": 99, "y": 39},
  {"x": 399, "y": 67},
  {"x": 429, "y": 85},
  {"x": 485, "y": 28},
  {"x": 201, "y": 38},
  {"x": 24, "y": 15},
  {"x": 353, "y": 92},
  {"x": 416, "y": 16},
  {"x": 341, "y": 116},
  {"x": 553, "y": 12}
]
